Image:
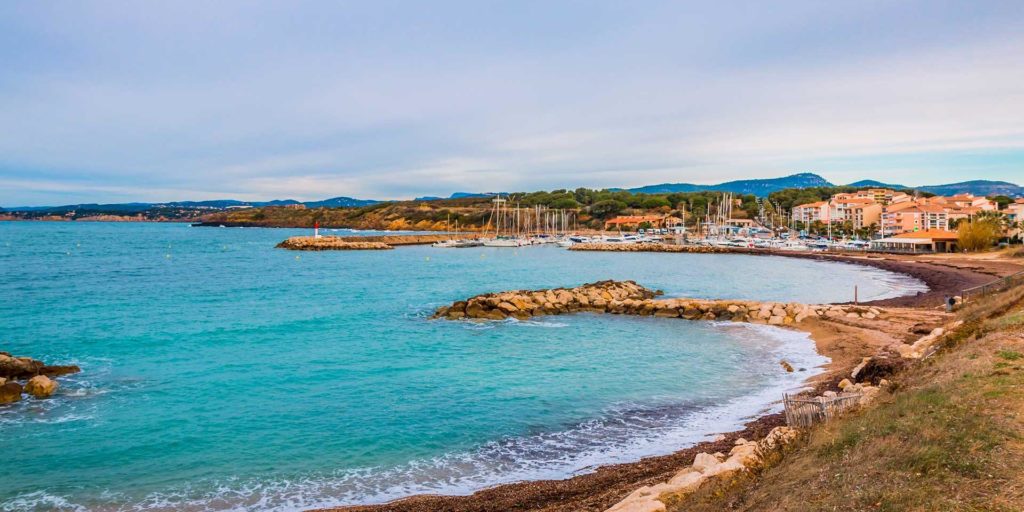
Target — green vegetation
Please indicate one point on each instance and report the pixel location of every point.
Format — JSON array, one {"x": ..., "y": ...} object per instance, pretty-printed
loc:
[
  {"x": 589, "y": 207},
  {"x": 980, "y": 233}
]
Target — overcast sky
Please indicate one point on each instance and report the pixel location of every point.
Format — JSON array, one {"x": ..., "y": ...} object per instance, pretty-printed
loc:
[{"x": 156, "y": 101}]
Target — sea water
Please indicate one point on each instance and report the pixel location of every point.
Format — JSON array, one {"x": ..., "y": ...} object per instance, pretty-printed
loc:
[{"x": 220, "y": 373}]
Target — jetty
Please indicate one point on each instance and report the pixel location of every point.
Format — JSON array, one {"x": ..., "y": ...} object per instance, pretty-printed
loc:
[
  {"x": 330, "y": 243},
  {"x": 354, "y": 243},
  {"x": 630, "y": 298},
  {"x": 660, "y": 247},
  {"x": 396, "y": 240}
]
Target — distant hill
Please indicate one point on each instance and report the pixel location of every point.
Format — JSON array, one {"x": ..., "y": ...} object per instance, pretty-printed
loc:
[
  {"x": 976, "y": 187},
  {"x": 458, "y": 196},
  {"x": 761, "y": 187},
  {"x": 215, "y": 204},
  {"x": 876, "y": 184},
  {"x": 338, "y": 202}
]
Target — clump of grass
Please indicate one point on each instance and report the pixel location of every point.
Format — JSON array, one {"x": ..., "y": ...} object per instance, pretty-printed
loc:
[{"x": 1010, "y": 355}]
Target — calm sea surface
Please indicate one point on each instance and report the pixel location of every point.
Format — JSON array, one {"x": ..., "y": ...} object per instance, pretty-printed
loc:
[{"x": 219, "y": 373}]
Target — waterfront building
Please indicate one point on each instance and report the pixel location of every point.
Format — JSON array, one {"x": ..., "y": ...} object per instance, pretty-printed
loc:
[{"x": 932, "y": 240}]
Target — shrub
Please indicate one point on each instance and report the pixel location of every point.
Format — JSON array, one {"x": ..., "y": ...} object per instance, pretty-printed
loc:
[{"x": 979, "y": 234}]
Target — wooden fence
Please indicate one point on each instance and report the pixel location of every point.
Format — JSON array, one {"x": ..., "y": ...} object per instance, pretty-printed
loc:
[
  {"x": 998, "y": 285},
  {"x": 804, "y": 412}
]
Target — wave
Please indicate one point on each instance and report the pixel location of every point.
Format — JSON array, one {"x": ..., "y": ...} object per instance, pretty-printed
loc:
[{"x": 623, "y": 433}]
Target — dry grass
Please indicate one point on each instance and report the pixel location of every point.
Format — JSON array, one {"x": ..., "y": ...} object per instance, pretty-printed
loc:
[{"x": 949, "y": 438}]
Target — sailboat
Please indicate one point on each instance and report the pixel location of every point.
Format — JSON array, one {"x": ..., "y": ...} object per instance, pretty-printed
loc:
[
  {"x": 503, "y": 217},
  {"x": 446, "y": 244}
]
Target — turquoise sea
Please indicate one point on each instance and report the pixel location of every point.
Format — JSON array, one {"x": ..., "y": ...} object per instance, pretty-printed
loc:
[{"x": 220, "y": 373}]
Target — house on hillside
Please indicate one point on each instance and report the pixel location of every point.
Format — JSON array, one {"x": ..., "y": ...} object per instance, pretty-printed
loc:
[{"x": 634, "y": 222}]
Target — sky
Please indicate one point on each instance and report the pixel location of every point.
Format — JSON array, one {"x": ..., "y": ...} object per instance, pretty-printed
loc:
[{"x": 104, "y": 101}]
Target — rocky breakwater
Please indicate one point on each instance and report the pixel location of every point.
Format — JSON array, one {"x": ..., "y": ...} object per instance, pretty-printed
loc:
[
  {"x": 38, "y": 377},
  {"x": 395, "y": 240},
  {"x": 330, "y": 243},
  {"x": 744, "y": 456},
  {"x": 655, "y": 247},
  {"x": 521, "y": 304},
  {"x": 630, "y": 298}
]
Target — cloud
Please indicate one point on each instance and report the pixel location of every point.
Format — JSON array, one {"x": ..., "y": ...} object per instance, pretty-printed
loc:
[{"x": 261, "y": 100}]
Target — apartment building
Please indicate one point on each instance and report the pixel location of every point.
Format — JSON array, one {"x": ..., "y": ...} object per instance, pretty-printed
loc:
[
  {"x": 911, "y": 216},
  {"x": 811, "y": 212}
]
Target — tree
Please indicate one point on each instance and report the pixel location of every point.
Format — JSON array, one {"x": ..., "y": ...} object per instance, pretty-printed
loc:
[
  {"x": 607, "y": 208},
  {"x": 1002, "y": 201},
  {"x": 651, "y": 203},
  {"x": 565, "y": 203},
  {"x": 979, "y": 234}
]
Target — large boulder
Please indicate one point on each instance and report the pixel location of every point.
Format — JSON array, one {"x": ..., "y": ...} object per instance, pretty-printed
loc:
[
  {"x": 19, "y": 367},
  {"x": 41, "y": 386},
  {"x": 25, "y": 367},
  {"x": 10, "y": 392}
]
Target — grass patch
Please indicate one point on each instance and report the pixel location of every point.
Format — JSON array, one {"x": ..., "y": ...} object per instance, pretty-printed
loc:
[{"x": 1010, "y": 355}]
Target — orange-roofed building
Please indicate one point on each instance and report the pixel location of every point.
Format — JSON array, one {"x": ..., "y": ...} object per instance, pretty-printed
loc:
[
  {"x": 634, "y": 221},
  {"x": 912, "y": 217},
  {"x": 811, "y": 212},
  {"x": 860, "y": 211},
  {"x": 931, "y": 240}
]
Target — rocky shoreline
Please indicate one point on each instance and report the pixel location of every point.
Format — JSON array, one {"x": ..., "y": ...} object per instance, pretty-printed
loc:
[{"x": 20, "y": 375}]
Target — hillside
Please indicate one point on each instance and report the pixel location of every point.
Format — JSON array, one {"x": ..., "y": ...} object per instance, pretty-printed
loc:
[
  {"x": 948, "y": 437},
  {"x": 976, "y": 187}
]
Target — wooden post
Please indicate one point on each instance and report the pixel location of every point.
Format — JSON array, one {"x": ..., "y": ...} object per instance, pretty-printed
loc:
[{"x": 855, "y": 301}]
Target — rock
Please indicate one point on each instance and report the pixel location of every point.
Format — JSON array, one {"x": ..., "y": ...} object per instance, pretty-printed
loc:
[
  {"x": 10, "y": 392},
  {"x": 666, "y": 313},
  {"x": 40, "y": 386},
  {"x": 830, "y": 394},
  {"x": 704, "y": 461},
  {"x": 845, "y": 383},
  {"x": 788, "y": 367},
  {"x": 740, "y": 441},
  {"x": 859, "y": 367},
  {"x": 19, "y": 367},
  {"x": 776, "y": 320},
  {"x": 507, "y": 307},
  {"x": 883, "y": 383}
]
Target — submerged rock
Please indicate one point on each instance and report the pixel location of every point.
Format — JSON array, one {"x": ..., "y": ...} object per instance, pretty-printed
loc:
[
  {"x": 41, "y": 386},
  {"x": 10, "y": 392}
]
